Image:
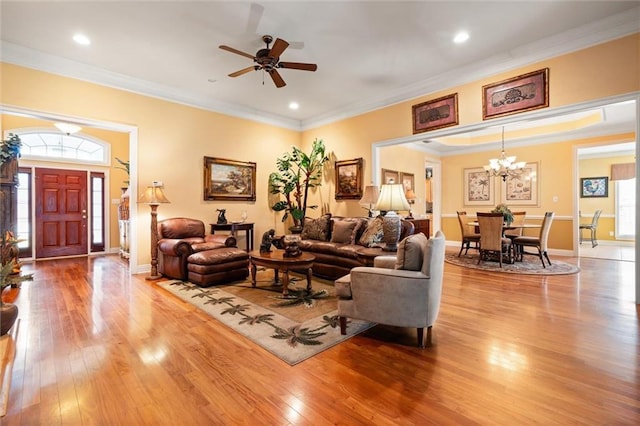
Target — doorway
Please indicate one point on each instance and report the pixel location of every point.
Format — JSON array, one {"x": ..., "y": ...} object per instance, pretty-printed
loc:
[{"x": 61, "y": 212}]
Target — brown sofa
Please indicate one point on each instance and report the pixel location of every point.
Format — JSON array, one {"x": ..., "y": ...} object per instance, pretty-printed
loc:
[
  {"x": 185, "y": 252},
  {"x": 335, "y": 243}
]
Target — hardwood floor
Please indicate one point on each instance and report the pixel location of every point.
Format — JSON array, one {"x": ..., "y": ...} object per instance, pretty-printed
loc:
[{"x": 96, "y": 346}]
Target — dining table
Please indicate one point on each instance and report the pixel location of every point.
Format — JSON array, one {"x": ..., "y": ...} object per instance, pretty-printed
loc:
[{"x": 509, "y": 227}]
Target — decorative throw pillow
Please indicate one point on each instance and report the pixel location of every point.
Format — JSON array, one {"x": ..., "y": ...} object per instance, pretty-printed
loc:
[
  {"x": 344, "y": 231},
  {"x": 316, "y": 229},
  {"x": 373, "y": 234},
  {"x": 410, "y": 252}
]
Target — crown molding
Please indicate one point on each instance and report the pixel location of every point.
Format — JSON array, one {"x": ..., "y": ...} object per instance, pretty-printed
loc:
[
  {"x": 22, "y": 56},
  {"x": 611, "y": 28},
  {"x": 607, "y": 29}
]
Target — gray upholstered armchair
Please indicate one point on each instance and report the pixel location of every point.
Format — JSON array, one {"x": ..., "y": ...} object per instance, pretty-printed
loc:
[{"x": 407, "y": 297}]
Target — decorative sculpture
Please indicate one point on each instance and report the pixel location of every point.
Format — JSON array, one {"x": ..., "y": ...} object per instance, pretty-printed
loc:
[
  {"x": 222, "y": 220},
  {"x": 267, "y": 239}
]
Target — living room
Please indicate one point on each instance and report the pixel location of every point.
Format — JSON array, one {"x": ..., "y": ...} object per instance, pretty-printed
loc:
[{"x": 166, "y": 141}]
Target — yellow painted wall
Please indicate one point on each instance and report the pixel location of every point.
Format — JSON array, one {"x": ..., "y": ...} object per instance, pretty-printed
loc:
[
  {"x": 597, "y": 167},
  {"x": 605, "y": 70},
  {"x": 119, "y": 148},
  {"x": 174, "y": 138}
]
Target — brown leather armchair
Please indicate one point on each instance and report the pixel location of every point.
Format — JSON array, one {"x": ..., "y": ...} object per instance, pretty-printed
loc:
[{"x": 178, "y": 238}]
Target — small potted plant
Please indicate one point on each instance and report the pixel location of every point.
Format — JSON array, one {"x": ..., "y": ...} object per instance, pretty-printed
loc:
[
  {"x": 9, "y": 276},
  {"x": 506, "y": 213}
]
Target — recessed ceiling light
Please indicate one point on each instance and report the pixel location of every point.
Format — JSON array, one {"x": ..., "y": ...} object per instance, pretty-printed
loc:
[
  {"x": 294, "y": 105},
  {"x": 81, "y": 39},
  {"x": 461, "y": 37}
]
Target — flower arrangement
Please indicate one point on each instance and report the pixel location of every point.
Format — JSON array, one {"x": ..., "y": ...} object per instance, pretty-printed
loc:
[{"x": 506, "y": 212}]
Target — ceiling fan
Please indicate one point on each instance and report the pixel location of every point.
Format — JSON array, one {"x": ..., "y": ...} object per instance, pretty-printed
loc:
[{"x": 268, "y": 59}]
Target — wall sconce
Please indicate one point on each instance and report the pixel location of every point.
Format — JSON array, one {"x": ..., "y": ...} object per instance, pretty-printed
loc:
[{"x": 154, "y": 196}]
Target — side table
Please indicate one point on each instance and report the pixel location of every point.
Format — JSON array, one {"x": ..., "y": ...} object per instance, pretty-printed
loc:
[{"x": 234, "y": 227}]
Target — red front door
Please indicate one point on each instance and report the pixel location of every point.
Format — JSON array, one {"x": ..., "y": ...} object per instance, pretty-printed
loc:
[{"x": 61, "y": 212}]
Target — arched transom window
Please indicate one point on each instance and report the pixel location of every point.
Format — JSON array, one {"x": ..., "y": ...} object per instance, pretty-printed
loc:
[{"x": 54, "y": 145}]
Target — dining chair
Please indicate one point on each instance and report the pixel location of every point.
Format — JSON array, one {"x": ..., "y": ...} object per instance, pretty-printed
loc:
[
  {"x": 593, "y": 227},
  {"x": 491, "y": 239},
  {"x": 516, "y": 231},
  {"x": 468, "y": 236},
  {"x": 539, "y": 242}
]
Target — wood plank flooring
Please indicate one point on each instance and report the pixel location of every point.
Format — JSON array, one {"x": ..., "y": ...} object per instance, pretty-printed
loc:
[{"x": 97, "y": 346}]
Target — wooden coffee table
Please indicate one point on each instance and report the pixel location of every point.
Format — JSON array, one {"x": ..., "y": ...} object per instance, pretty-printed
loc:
[{"x": 276, "y": 260}]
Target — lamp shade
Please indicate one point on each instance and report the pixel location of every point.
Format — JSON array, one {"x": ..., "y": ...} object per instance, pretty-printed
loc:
[
  {"x": 410, "y": 195},
  {"x": 392, "y": 198},
  {"x": 371, "y": 194},
  {"x": 153, "y": 195}
]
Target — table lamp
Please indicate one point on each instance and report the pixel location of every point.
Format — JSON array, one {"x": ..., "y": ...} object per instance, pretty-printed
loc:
[
  {"x": 391, "y": 199},
  {"x": 370, "y": 197},
  {"x": 410, "y": 195},
  {"x": 154, "y": 196}
]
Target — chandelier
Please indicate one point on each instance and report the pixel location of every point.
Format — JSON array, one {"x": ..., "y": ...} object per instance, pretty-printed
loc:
[{"x": 504, "y": 166}]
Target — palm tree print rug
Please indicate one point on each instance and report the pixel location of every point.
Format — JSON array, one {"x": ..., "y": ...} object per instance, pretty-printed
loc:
[{"x": 293, "y": 328}]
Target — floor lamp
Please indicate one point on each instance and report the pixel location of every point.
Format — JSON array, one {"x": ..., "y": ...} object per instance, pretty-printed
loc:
[
  {"x": 391, "y": 199},
  {"x": 154, "y": 196}
]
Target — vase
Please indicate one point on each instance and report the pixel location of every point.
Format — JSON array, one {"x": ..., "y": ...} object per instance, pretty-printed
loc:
[{"x": 8, "y": 316}]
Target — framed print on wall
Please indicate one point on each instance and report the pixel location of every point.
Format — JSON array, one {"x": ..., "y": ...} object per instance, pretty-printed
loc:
[
  {"x": 349, "y": 179},
  {"x": 229, "y": 180},
  {"x": 594, "y": 187},
  {"x": 408, "y": 181},
  {"x": 390, "y": 176},
  {"x": 435, "y": 114},
  {"x": 479, "y": 189},
  {"x": 518, "y": 94},
  {"x": 522, "y": 189}
]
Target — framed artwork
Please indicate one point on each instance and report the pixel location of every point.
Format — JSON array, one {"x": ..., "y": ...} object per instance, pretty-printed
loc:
[
  {"x": 408, "y": 181},
  {"x": 479, "y": 189},
  {"x": 594, "y": 187},
  {"x": 390, "y": 176},
  {"x": 349, "y": 179},
  {"x": 522, "y": 189},
  {"x": 435, "y": 114},
  {"x": 229, "y": 180},
  {"x": 522, "y": 93}
]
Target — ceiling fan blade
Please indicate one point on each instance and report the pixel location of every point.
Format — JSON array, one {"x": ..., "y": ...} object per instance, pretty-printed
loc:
[
  {"x": 278, "y": 47},
  {"x": 277, "y": 79},
  {"x": 236, "y": 51},
  {"x": 242, "y": 71},
  {"x": 298, "y": 66}
]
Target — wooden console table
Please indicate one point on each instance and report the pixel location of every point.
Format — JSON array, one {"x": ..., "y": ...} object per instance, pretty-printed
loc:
[
  {"x": 421, "y": 225},
  {"x": 234, "y": 227}
]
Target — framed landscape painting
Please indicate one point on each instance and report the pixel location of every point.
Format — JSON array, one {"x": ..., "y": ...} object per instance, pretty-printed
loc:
[
  {"x": 229, "y": 180},
  {"x": 479, "y": 189},
  {"x": 522, "y": 189},
  {"x": 349, "y": 179}
]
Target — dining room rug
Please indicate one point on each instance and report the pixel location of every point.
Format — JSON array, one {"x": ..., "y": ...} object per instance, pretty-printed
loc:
[
  {"x": 293, "y": 328},
  {"x": 530, "y": 265}
]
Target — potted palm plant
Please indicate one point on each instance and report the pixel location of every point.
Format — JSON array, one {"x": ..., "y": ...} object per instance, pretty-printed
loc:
[{"x": 297, "y": 173}]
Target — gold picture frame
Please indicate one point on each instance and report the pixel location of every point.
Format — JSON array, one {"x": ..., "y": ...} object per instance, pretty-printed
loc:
[
  {"x": 525, "y": 92},
  {"x": 390, "y": 175},
  {"x": 479, "y": 188},
  {"x": 349, "y": 179},
  {"x": 435, "y": 114},
  {"x": 229, "y": 180},
  {"x": 522, "y": 189}
]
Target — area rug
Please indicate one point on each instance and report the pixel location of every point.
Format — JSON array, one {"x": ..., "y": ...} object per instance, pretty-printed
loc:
[
  {"x": 293, "y": 328},
  {"x": 530, "y": 265}
]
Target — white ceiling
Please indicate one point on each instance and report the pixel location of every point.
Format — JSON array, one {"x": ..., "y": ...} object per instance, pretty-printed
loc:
[{"x": 369, "y": 54}]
